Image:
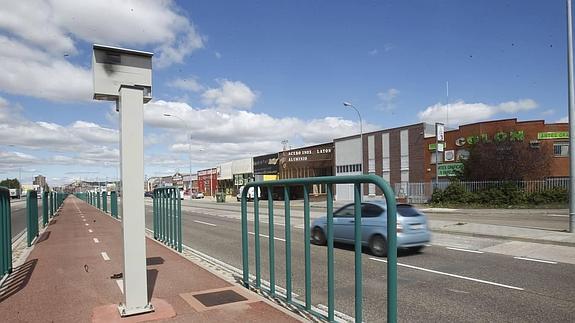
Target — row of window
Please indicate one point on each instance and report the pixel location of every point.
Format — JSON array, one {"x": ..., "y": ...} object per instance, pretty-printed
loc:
[{"x": 348, "y": 168}]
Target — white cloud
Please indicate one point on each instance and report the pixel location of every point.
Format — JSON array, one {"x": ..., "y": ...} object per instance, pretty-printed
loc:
[
  {"x": 373, "y": 52},
  {"x": 188, "y": 84},
  {"x": 463, "y": 113},
  {"x": 230, "y": 95},
  {"x": 387, "y": 99},
  {"x": 37, "y": 37},
  {"x": 565, "y": 119},
  {"x": 218, "y": 55},
  {"x": 226, "y": 135}
]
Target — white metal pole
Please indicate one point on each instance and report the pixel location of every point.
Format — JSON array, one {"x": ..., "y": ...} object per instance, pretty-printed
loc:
[
  {"x": 133, "y": 213},
  {"x": 571, "y": 116}
]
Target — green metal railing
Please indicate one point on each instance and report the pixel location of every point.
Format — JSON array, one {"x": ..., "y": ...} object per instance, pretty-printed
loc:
[
  {"x": 32, "y": 216},
  {"x": 105, "y": 202},
  {"x": 329, "y": 181},
  {"x": 51, "y": 203},
  {"x": 45, "y": 213},
  {"x": 98, "y": 195},
  {"x": 168, "y": 217},
  {"x": 114, "y": 204},
  {"x": 5, "y": 232}
]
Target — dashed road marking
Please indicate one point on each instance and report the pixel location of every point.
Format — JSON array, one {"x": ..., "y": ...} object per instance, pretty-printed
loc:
[
  {"x": 464, "y": 250},
  {"x": 536, "y": 260},
  {"x": 86, "y": 224},
  {"x": 90, "y": 230},
  {"x": 84, "y": 220},
  {"x": 451, "y": 275},
  {"x": 559, "y": 215},
  {"x": 263, "y": 235},
  {"x": 105, "y": 256},
  {"x": 206, "y": 223},
  {"x": 96, "y": 240}
]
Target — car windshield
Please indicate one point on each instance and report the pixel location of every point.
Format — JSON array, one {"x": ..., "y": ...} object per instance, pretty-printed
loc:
[{"x": 407, "y": 211}]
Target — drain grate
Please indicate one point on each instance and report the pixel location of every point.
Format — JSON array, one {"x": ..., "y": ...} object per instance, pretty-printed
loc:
[{"x": 219, "y": 298}]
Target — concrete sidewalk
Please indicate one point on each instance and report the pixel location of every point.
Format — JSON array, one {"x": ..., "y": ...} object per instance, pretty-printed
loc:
[{"x": 67, "y": 277}]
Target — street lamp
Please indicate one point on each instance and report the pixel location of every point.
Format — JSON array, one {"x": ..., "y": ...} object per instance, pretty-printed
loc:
[
  {"x": 347, "y": 104},
  {"x": 189, "y": 146}
]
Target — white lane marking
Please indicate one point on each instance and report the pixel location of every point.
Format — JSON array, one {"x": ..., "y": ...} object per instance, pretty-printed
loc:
[
  {"x": 86, "y": 224},
  {"x": 206, "y": 223},
  {"x": 84, "y": 220},
  {"x": 465, "y": 250},
  {"x": 120, "y": 283},
  {"x": 90, "y": 230},
  {"x": 96, "y": 240},
  {"x": 451, "y": 275},
  {"x": 105, "y": 256},
  {"x": 537, "y": 260},
  {"x": 263, "y": 235},
  {"x": 559, "y": 215}
]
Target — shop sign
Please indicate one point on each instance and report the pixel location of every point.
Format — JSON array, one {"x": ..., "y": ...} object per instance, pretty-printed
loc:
[
  {"x": 321, "y": 153},
  {"x": 553, "y": 135},
  {"x": 485, "y": 138},
  {"x": 450, "y": 169}
]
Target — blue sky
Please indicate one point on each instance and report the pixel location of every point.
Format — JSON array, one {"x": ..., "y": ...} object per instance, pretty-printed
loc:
[{"x": 243, "y": 76}]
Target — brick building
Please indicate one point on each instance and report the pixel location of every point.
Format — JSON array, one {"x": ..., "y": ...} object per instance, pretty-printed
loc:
[{"x": 537, "y": 134}]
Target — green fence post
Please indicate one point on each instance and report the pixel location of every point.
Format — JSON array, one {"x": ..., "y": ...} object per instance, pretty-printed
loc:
[
  {"x": 330, "y": 262},
  {"x": 105, "y": 202},
  {"x": 50, "y": 204},
  {"x": 155, "y": 212},
  {"x": 257, "y": 240},
  {"x": 245, "y": 245},
  {"x": 114, "y": 204},
  {"x": 307, "y": 250},
  {"x": 271, "y": 243},
  {"x": 287, "y": 243},
  {"x": 44, "y": 209},
  {"x": 32, "y": 218},
  {"x": 179, "y": 216},
  {"x": 98, "y": 195},
  {"x": 357, "y": 237},
  {"x": 5, "y": 232}
]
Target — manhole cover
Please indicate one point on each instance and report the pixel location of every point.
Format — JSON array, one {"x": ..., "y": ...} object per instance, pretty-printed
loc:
[{"x": 219, "y": 298}]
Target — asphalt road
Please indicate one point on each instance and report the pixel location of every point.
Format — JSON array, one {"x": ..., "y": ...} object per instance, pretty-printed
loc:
[
  {"x": 18, "y": 212},
  {"x": 554, "y": 220},
  {"x": 439, "y": 284}
]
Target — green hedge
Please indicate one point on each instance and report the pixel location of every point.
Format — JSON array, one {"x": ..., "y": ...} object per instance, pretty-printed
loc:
[{"x": 505, "y": 195}]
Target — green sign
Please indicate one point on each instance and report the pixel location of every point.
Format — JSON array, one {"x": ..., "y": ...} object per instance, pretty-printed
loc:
[
  {"x": 553, "y": 135},
  {"x": 449, "y": 169}
]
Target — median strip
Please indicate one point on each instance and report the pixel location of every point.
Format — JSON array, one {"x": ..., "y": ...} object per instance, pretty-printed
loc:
[{"x": 451, "y": 275}]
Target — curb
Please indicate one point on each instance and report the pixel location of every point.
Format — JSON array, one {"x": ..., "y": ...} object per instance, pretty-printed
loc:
[{"x": 493, "y": 236}]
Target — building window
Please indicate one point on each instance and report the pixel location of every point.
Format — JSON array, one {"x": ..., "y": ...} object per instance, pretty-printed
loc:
[{"x": 561, "y": 149}]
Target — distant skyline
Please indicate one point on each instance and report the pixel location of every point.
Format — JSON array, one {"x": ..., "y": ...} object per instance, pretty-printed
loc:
[{"x": 244, "y": 76}]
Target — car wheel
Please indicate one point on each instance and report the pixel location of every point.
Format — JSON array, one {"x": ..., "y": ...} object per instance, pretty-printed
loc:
[
  {"x": 416, "y": 249},
  {"x": 378, "y": 246},
  {"x": 317, "y": 236}
]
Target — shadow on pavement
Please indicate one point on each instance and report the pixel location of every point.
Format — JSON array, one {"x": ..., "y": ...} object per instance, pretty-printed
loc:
[
  {"x": 43, "y": 237},
  {"x": 151, "y": 261},
  {"x": 18, "y": 279},
  {"x": 152, "y": 276}
]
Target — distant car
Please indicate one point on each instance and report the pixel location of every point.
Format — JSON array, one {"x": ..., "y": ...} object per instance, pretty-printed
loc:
[
  {"x": 412, "y": 227},
  {"x": 148, "y": 194},
  {"x": 197, "y": 195},
  {"x": 250, "y": 195}
]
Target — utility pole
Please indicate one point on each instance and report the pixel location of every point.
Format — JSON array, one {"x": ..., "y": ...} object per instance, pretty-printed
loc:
[{"x": 571, "y": 117}]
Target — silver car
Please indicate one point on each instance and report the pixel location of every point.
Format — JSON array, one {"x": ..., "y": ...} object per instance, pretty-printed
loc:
[{"x": 412, "y": 228}]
